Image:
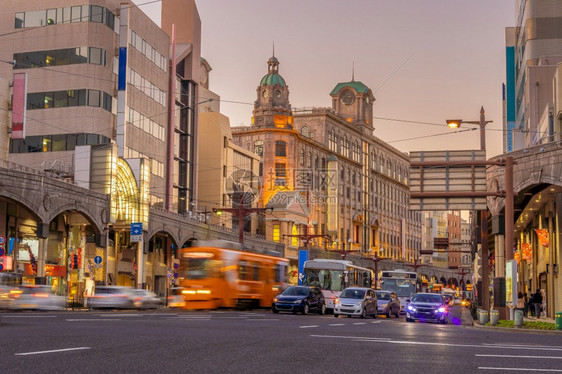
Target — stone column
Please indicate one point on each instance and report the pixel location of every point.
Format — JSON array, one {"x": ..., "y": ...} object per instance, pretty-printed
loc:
[
  {"x": 500, "y": 256},
  {"x": 43, "y": 236}
]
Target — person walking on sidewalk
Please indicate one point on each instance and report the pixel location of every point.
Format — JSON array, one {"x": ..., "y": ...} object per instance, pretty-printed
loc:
[
  {"x": 520, "y": 302},
  {"x": 526, "y": 308},
  {"x": 536, "y": 301}
]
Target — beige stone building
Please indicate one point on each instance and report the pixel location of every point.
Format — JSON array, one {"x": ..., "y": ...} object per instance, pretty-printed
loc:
[{"x": 345, "y": 186}]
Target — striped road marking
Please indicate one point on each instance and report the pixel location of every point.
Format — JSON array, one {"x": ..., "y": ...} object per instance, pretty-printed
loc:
[{"x": 51, "y": 351}]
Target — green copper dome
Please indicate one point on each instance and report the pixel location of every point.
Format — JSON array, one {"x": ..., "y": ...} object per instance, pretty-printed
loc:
[
  {"x": 272, "y": 79},
  {"x": 358, "y": 86}
]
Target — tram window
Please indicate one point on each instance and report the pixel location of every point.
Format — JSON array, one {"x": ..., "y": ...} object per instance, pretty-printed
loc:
[
  {"x": 256, "y": 272},
  {"x": 242, "y": 270}
]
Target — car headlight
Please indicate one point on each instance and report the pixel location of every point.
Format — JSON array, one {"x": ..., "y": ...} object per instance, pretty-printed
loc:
[
  {"x": 275, "y": 300},
  {"x": 336, "y": 301},
  {"x": 360, "y": 303},
  {"x": 442, "y": 310},
  {"x": 411, "y": 308},
  {"x": 384, "y": 305}
]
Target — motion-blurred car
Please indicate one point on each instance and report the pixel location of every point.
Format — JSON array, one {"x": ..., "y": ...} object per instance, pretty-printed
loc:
[
  {"x": 388, "y": 304},
  {"x": 34, "y": 297},
  {"x": 427, "y": 307},
  {"x": 112, "y": 297},
  {"x": 302, "y": 299},
  {"x": 144, "y": 299},
  {"x": 175, "y": 298},
  {"x": 356, "y": 301},
  {"x": 6, "y": 299}
]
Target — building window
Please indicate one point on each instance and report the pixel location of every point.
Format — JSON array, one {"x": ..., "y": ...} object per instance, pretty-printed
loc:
[
  {"x": 276, "y": 233},
  {"x": 305, "y": 132},
  {"x": 70, "y": 98},
  {"x": 280, "y": 170},
  {"x": 295, "y": 239},
  {"x": 301, "y": 157},
  {"x": 258, "y": 147},
  {"x": 356, "y": 233},
  {"x": 280, "y": 148},
  {"x": 332, "y": 141}
]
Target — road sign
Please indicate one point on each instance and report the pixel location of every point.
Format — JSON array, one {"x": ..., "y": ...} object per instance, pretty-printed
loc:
[
  {"x": 136, "y": 231},
  {"x": 97, "y": 260},
  {"x": 1, "y": 267},
  {"x": 2, "y": 240},
  {"x": 2, "y": 252}
]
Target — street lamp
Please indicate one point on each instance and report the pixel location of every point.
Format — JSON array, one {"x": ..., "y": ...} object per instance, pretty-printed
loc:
[{"x": 456, "y": 123}]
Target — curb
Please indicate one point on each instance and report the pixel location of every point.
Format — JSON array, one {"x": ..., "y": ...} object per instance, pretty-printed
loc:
[{"x": 517, "y": 329}]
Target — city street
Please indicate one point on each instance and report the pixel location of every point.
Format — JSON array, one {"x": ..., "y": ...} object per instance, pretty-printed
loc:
[{"x": 229, "y": 341}]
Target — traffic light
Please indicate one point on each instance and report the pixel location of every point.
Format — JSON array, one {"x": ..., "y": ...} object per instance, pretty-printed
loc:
[{"x": 469, "y": 287}]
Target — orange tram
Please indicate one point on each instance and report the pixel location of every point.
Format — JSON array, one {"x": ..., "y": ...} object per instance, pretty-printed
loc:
[{"x": 214, "y": 277}]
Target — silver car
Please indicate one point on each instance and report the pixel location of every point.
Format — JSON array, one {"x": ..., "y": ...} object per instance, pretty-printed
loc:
[
  {"x": 356, "y": 301},
  {"x": 388, "y": 303},
  {"x": 112, "y": 297},
  {"x": 145, "y": 299},
  {"x": 38, "y": 297}
]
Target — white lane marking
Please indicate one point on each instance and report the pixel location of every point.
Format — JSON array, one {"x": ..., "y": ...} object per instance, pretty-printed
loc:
[
  {"x": 190, "y": 319},
  {"x": 33, "y": 316},
  {"x": 337, "y": 324},
  {"x": 376, "y": 322},
  {"x": 517, "y": 356},
  {"x": 308, "y": 327},
  {"x": 120, "y": 315},
  {"x": 351, "y": 337},
  {"x": 262, "y": 319},
  {"x": 523, "y": 345},
  {"x": 51, "y": 351},
  {"x": 360, "y": 323},
  {"x": 376, "y": 340},
  {"x": 519, "y": 369},
  {"x": 91, "y": 319}
]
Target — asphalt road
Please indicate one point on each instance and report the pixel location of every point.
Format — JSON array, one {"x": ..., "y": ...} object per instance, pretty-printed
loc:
[{"x": 171, "y": 341}]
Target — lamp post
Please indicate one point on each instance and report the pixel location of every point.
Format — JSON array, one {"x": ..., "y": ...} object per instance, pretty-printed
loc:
[{"x": 455, "y": 124}]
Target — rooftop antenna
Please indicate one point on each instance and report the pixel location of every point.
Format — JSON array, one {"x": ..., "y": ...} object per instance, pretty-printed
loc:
[
  {"x": 273, "y": 49},
  {"x": 353, "y": 72}
]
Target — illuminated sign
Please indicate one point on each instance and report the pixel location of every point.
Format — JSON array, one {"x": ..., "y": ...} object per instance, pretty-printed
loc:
[{"x": 19, "y": 105}]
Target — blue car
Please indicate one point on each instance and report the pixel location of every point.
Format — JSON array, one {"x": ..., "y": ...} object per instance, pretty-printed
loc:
[
  {"x": 427, "y": 307},
  {"x": 301, "y": 299}
]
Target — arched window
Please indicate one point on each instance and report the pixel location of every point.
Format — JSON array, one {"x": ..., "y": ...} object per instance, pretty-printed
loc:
[
  {"x": 332, "y": 140},
  {"x": 356, "y": 153},
  {"x": 305, "y": 132},
  {"x": 345, "y": 146},
  {"x": 258, "y": 147},
  {"x": 280, "y": 148},
  {"x": 309, "y": 160}
]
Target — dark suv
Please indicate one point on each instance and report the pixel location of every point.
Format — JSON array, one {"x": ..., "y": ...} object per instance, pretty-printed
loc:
[
  {"x": 302, "y": 299},
  {"x": 427, "y": 307}
]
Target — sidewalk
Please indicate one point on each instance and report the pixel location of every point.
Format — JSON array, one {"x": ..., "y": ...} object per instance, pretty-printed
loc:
[{"x": 476, "y": 324}]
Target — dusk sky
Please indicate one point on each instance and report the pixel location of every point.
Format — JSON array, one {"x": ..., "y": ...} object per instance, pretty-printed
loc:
[{"x": 426, "y": 61}]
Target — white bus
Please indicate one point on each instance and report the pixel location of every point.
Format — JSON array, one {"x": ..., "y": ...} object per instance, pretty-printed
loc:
[
  {"x": 332, "y": 276},
  {"x": 403, "y": 283}
]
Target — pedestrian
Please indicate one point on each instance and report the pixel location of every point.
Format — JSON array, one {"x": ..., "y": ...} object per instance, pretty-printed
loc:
[
  {"x": 520, "y": 302},
  {"x": 537, "y": 302},
  {"x": 526, "y": 308}
]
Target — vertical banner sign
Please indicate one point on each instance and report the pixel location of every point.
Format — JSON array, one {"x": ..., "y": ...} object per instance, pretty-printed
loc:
[
  {"x": 543, "y": 236},
  {"x": 511, "y": 283},
  {"x": 303, "y": 256},
  {"x": 19, "y": 105}
]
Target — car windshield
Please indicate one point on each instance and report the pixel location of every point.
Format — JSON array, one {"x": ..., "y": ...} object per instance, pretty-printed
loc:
[
  {"x": 295, "y": 291},
  {"x": 425, "y": 298},
  {"x": 383, "y": 295},
  {"x": 353, "y": 294}
]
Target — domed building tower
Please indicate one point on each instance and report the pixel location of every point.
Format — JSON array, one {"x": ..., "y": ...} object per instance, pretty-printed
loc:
[{"x": 272, "y": 107}]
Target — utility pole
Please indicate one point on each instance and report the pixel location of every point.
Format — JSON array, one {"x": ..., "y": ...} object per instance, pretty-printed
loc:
[
  {"x": 205, "y": 212},
  {"x": 241, "y": 212},
  {"x": 376, "y": 260},
  {"x": 306, "y": 237}
]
